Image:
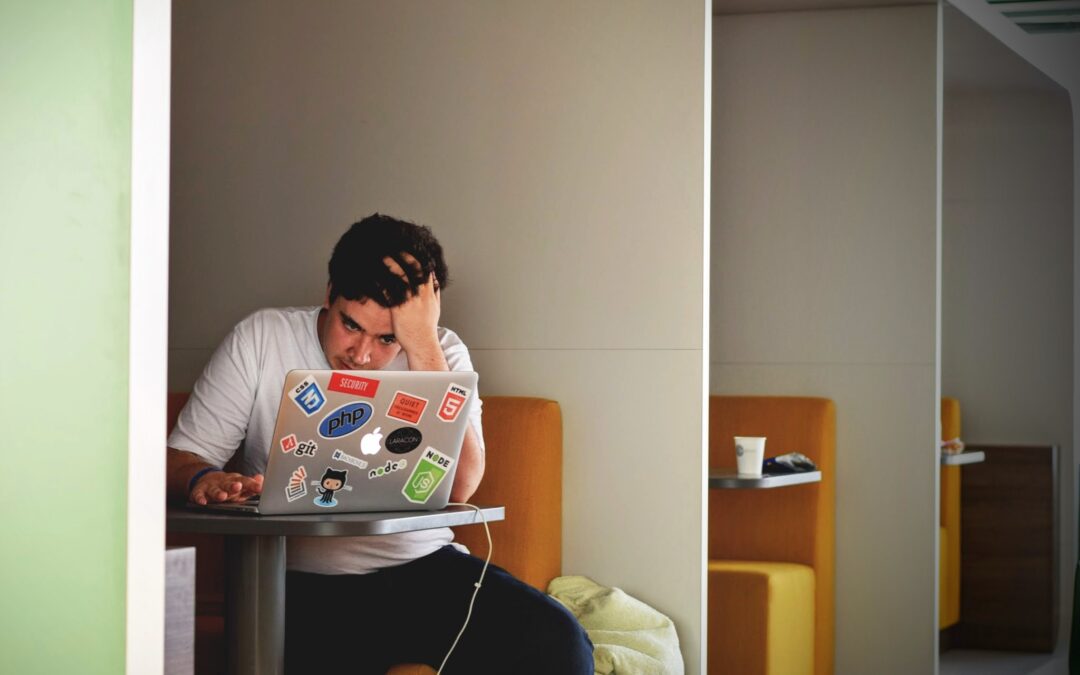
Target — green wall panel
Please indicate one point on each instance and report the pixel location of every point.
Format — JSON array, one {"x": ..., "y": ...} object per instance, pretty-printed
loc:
[{"x": 65, "y": 147}]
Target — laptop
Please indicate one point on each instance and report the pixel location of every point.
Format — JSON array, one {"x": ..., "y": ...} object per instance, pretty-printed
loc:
[{"x": 354, "y": 441}]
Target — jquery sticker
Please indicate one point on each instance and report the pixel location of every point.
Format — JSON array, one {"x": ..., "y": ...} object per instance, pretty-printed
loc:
[
  {"x": 426, "y": 476},
  {"x": 345, "y": 420},
  {"x": 307, "y": 396},
  {"x": 453, "y": 402},
  {"x": 405, "y": 439},
  {"x": 353, "y": 384},
  {"x": 297, "y": 486},
  {"x": 407, "y": 408}
]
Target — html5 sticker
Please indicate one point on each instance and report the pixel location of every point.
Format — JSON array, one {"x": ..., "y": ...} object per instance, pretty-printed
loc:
[
  {"x": 288, "y": 444},
  {"x": 354, "y": 385},
  {"x": 453, "y": 402},
  {"x": 407, "y": 408}
]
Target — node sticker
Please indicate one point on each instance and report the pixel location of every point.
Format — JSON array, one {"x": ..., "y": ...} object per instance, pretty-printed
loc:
[
  {"x": 349, "y": 459},
  {"x": 307, "y": 449},
  {"x": 453, "y": 402},
  {"x": 345, "y": 420},
  {"x": 288, "y": 444},
  {"x": 426, "y": 476},
  {"x": 407, "y": 408},
  {"x": 405, "y": 439},
  {"x": 297, "y": 486},
  {"x": 354, "y": 385},
  {"x": 307, "y": 396},
  {"x": 390, "y": 467}
]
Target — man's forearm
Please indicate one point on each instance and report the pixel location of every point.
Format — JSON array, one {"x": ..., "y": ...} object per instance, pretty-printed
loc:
[
  {"x": 180, "y": 467},
  {"x": 470, "y": 468}
]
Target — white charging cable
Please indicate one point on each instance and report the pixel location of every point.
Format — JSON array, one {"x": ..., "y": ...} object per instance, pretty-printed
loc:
[{"x": 478, "y": 583}]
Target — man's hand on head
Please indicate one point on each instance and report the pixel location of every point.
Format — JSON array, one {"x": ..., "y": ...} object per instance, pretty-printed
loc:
[
  {"x": 416, "y": 320},
  {"x": 221, "y": 486}
]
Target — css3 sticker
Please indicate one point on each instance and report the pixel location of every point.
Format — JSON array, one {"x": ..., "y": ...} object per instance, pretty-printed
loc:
[
  {"x": 345, "y": 420},
  {"x": 307, "y": 396},
  {"x": 426, "y": 476},
  {"x": 452, "y": 402}
]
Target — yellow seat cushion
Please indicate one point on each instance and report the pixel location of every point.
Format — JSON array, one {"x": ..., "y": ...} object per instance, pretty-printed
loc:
[
  {"x": 411, "y": 669},
  {"x": 761, "y": 618}
]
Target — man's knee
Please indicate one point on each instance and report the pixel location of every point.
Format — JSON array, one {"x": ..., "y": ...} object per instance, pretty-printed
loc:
[{"x": 566, "y": 645}]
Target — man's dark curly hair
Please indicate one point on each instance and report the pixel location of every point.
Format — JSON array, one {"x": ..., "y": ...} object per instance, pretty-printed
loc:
[{"x": 357, "y": 270}]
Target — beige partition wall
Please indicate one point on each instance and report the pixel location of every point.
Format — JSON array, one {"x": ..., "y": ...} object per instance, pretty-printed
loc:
[
  {"x": 824, "y": 241},
  {"x": 557, "y": 149}
]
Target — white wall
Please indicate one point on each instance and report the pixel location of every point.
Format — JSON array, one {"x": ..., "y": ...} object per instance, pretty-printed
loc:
[
  {"x": 1007, "y": 236},
  {"x": 556, "y": 148},
  {"x": 823, "y": 283}
]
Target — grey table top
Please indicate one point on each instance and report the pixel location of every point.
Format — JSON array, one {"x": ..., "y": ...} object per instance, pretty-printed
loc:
[
  {"x": 335, "y": 525},
  {"x": 961, "y": 458},
  {"x": 728, "y": 478}
]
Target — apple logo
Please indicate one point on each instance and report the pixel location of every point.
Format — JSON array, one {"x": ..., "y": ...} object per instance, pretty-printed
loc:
[{"x": 369, "y": 444}]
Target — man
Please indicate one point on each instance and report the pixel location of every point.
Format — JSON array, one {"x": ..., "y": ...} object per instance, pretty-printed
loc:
[{"x": 365, "y": 603}]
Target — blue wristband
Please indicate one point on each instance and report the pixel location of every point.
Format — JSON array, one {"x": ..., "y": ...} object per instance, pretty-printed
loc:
[{"x": 199, "y": 474}]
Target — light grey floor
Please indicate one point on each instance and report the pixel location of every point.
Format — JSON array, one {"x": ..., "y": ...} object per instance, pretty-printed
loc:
[{"x": 979, "y": 662}]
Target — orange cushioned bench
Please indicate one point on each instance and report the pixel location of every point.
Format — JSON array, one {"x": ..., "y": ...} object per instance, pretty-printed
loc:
[
  {"x": 523, "y": 437},
  {"x": 949, "y": 533},
  {"x": 772, "y": 551}
]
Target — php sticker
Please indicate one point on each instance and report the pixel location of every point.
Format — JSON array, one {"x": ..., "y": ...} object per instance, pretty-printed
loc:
[
  {"x": 405, "y": 439},
  {"x": 288, "y": 444},
  {"x": 349, "y": 459},
  {"x": 407, "y": 408},
  {"x": 345, "y": 420},
  {"x": 307, "y": 449},
  {"x": 390, "y": 467},
  {"x": 453, "y": 402},
  {"x": 426, "y": 476},
  {"x": 307, "y": 396},
  {"x": 297, "y": 486},
  {"x": 354, "y": 385}
]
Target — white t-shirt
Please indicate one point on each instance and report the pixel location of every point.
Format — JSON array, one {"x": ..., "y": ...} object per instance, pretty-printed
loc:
[{"x": 235, "y": 402}]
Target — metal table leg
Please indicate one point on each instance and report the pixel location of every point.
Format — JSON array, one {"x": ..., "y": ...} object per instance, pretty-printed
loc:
[{"x": 255, "y": 604}]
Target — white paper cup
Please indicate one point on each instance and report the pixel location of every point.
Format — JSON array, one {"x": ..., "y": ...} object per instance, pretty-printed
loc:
[{"x": 749, "y": 455}]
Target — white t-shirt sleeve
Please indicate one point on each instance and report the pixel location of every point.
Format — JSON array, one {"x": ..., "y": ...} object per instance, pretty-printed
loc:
[
  {"x": 457, "y": 357},
  {"x": 214, "y": 422}
]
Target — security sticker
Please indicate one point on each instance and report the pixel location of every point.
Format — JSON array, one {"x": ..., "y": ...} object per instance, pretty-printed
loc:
[
  {"x": 453, "y": 402},
  {"x": 307, "y": 396},
  {"x": 349, "y": 459},
  {"x": 426, "y": 476},
  {"x": 390, "y": 467},
  {"x": 297, "y": 486},
  {"x": 354, "y": 385},
  {"x": 288, "y": 444},
  {"x": 407, "y": 408},
  {"x": 307, "y": 449},
  {"x": 345, "y": 420},
  {"x": 405, "y": 439},
  {"x": 333, "y": 480}
]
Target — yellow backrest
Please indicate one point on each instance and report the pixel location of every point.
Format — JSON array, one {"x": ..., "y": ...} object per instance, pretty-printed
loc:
[
  {"x": 949, "y": 602},
  {"x": 794, "y": 524}
]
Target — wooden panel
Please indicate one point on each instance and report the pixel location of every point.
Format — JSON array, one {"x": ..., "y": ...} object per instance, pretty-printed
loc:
[{"x": 1008, "y": 597}]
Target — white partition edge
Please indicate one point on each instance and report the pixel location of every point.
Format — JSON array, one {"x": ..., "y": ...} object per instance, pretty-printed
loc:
[
  {"x": 148, "y": 335},
  {"x": 706, "y": 324},
  {"x": 939, "y": 112}
]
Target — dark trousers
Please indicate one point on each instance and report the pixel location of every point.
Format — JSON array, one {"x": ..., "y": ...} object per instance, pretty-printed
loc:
[{"x": 361, "y": 624}]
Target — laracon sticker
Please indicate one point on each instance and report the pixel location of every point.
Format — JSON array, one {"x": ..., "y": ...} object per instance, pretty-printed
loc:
[
  {"x": 288, "y": 444},
  {"x": 351, "y": 384},
  {"x": 426, "y": 476},
  {"x": 333, "y": 480},
  {"x": 407, "y": 408},
  {"x": 307, "y": 449},
  {"x": 297, "y": 486},
  {"x": 349, "y": 459},
  {"x": 370, "y": 443},
  {"x": 345, "y": 420},
  {"x": 405, "y": 439},
  {"x": 307, "y": 396},
  {"x": 453, "y": 402},
  {"x": 390, "y": 467}
]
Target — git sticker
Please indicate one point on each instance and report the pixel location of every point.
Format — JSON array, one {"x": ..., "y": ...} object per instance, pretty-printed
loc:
[
  {"x": 453, "y": 402},
  {"x": 307, "y": 396},
  {"x": 307, "y": 449},
  {"x": 407, "y": 408},
  {"x": 288, "y": 444},
  {"x": 297, "y": 486},
  {"x": 426, "y": 476}
]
